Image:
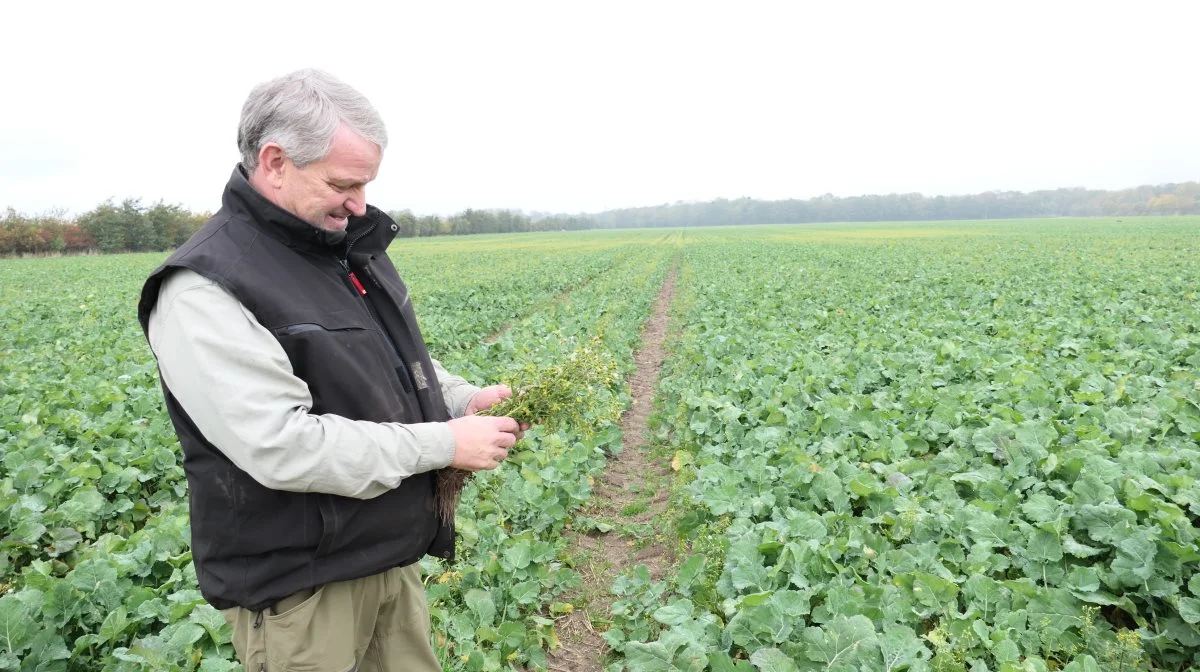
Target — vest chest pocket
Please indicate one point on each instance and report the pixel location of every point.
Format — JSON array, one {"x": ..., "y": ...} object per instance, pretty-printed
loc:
[{"x": 349, "y": 366}]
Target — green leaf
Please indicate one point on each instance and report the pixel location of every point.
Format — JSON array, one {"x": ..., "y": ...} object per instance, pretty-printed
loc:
[
  {"x": 1077, "y": 549},
  {"x": 525, "y": 592},
  {"x": 1083, "y": 579},
  {"x": 48, "y": 646},
  {"x": 933, "y": 590},
  {"x": 114, "y": 624},
  {"x": 772, "y": 660},
  {"x": 181, "y": 636},
  {"x": 901, "y": 648},
  {"x": 651, "y": 657},
  {"x": 83, "y": 507},
  {"x": 28, "y": 531},
  {"x": 207, "y": 617},
  {"x": 689, "y": 571},
  {"x": 841, "y": 643},
  {"x": 1189, "y": 609},
  {"x": 14, "y": 624},
  {"x": 1134, "y": 563},
  {"x": 1006, "y": 651},
  {"x": 210, "y": 664},
  {"x": 90, "y": 574},
  {"x": 1044, "y": 547},
  {"x": 481, "y": 604},
  {"x": 518, "y": 555},
  {"x": 1042, "y": 508},
  {"x": 721, "y": 662},
  {"x": 1106, "y": 522},
  {"x": 1084, "y": 663},
  {"x": 745, "y": 565},
  {"x": 63, "y": 540},
  {"x": 675, "y": 613}
]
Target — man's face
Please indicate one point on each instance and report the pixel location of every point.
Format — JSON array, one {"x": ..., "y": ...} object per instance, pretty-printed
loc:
[{"x": 325, "y": 193}]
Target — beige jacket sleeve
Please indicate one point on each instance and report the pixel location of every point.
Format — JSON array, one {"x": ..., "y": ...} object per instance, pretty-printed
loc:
[
  {"x": 455, "y": 390},
  {"x": 236, "y": 384}
]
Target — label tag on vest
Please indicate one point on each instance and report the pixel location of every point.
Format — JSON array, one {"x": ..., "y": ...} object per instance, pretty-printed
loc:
[{"x": 418, "y": 374}]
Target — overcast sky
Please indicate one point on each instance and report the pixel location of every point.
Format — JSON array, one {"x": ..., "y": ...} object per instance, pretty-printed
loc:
[{"x": 570, "y": 106}]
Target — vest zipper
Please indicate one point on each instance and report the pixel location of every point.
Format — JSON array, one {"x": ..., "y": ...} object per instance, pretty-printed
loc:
[
  {"x": 402, "y": 369},
  {"x": 345, "y": 260},
  {"x": 354, "y": 241}
]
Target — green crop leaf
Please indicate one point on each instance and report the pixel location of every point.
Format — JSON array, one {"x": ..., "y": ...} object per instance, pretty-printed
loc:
[
  {"x": 525, "y": 592},
  {"x": 114, "y": 624},
  {"x": 481, "y": 604},
  {"x": 676, "y": 613},
  {"x": 1044, "y": 547},
  {"x": 689, "y": 571},
  {"x": 1083, "y": 579},
  {"x": 1006, "y": 651},
  {"x": 47, "y": 647},
  {"x": 933, "y": 590},
  {"x": 218, "y": 665},
  {"x": 1042, "y": 508},
  {"x": 519, "y": 554},
  {"x": 772, "y": 660},
  {"x": 14, "y": 625},
  {"x": 652, "y": 657},
  {"x": 901, "y": 648},
  {"x": 181, "y": 636},
  {"x": 1084, "y": 663},
  {"x": 213, "y": 622},
  {"x": 1107, "y": 523},
  {"x": 841, "y": 643},
  {"x": 1134, "y": 562},
  {"x": 721, "y": 662},
  {"x": 1077, "y": 549},
  {"x": 1189, "y": 609}
]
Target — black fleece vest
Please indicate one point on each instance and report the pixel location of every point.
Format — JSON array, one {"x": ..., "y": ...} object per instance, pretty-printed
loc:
[{"x": 363, "y": 358}]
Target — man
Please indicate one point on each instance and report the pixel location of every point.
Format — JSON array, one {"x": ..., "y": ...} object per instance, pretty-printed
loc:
[{"x": 311, "y": 416}]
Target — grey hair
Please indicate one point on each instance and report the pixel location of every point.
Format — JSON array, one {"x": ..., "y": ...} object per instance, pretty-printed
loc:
[{"x": 301, "y": 112}]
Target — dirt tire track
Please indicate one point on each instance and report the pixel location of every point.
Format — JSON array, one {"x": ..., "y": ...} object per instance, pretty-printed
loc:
[{"x": 613, "y": 552}]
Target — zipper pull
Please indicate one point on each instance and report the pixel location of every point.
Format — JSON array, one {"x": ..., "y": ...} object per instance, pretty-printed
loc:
[{"x": 357, "y": 285}]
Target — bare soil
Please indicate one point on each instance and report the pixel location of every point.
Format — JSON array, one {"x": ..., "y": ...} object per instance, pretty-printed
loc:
[{"x": 620, "y": 495}]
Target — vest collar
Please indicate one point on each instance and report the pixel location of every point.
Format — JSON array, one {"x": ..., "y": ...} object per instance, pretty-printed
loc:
[{"x": 241, "y": 197}]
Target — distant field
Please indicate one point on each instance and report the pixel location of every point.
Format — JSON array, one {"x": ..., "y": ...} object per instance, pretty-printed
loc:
[{"x": 896, "y": 446}]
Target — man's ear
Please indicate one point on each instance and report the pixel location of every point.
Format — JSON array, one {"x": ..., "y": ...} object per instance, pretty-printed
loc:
[{"x": 273, "y": 163}]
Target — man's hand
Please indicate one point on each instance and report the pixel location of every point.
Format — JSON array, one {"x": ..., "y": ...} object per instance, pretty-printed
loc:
[
  {"x": 490, "y": 396},
  {"x": 482, "y": 442}
]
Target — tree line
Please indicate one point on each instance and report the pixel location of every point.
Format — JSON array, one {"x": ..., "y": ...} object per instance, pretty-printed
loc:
[
  {"x": 1167, "y": 199},
  {"x": 109, "y": 227},
  {"x": 131, "y": 226},
  {"x": 485, "y": 221}
]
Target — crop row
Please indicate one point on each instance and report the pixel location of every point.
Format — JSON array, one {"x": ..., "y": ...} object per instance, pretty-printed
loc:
[{"x": 495, "y": 606}]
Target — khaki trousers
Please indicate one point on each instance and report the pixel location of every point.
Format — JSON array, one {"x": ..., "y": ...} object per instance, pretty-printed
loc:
[{"x": 378, "y": 623}]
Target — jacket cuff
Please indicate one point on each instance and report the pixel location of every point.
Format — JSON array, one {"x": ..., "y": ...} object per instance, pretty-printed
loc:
[{"x": 458, "y": 397}]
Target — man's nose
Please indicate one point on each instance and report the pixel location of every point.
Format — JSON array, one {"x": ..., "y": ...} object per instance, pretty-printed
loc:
[{"x": 357, "y": 203}]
